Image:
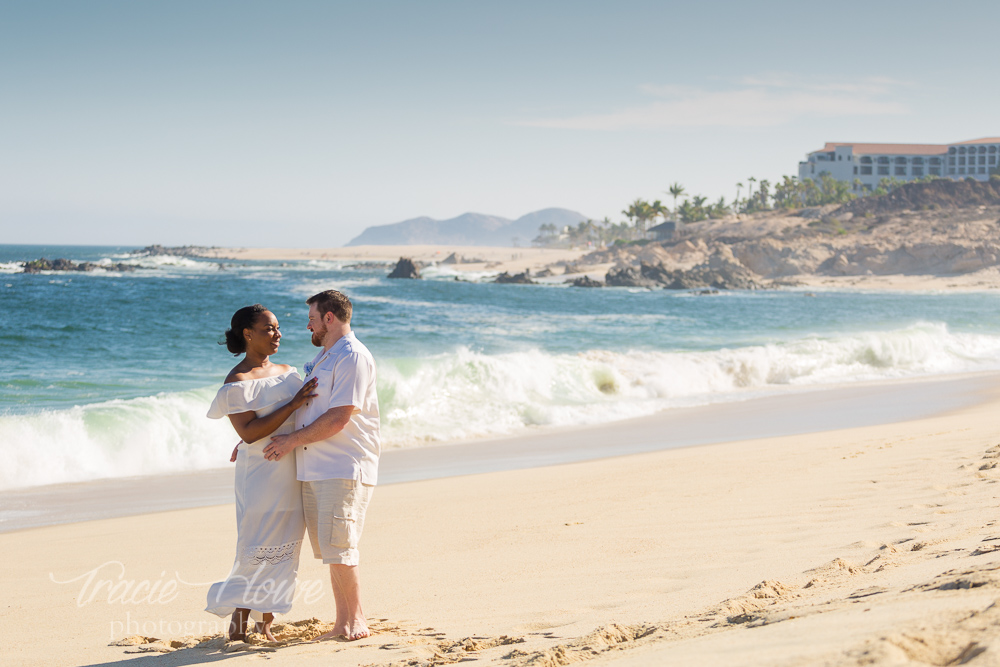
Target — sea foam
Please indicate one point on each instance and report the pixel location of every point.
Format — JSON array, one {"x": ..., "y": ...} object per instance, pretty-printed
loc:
[
  {"x": 468, "y": 394},
  {"x": 119, "y": 438}
]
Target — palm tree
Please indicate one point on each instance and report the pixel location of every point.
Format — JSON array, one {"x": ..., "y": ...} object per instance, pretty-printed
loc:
[
  {"x": 630, "y": 212},
  {"x": 657, "y": 209},
  {"x": 751, "y": 181},
  {"x": 676, "y": 190},
  {"x": 640, "y": 211},
  {"x": 718, "y": 209},
  {"x": 787, "y": 193},
  {"x": 736, "y": 202},
  {"x": 764, "y": 192}
]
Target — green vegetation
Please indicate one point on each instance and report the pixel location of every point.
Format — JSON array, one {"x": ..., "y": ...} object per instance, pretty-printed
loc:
[{"x": 640, "y": 215}]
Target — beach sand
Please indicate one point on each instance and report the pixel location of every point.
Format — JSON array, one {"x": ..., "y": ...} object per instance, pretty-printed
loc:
[
  {"x": 516, "y": 260},
  {"x": 984, "y": 279},
  {"x": 869, "y": 545},
  {"x": 475, "y": 258}
]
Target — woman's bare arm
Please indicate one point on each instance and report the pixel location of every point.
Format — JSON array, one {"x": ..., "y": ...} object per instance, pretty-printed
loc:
[{"x": 252, "y": 428}]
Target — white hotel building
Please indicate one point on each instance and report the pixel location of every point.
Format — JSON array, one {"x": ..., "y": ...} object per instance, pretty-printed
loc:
[{"x": 870, "y": 163}]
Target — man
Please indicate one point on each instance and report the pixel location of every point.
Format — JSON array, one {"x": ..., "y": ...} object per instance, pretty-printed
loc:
[{"x": 337, "y": 446}]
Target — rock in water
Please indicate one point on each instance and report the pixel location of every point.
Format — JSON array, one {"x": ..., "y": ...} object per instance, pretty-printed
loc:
[
  {"x": 587, "y": 281},
  {"x": 627, "y": 276},
  {"x": 42, "y": 264},
  {"x": 518, "y": 278},
  {"x": 405, "y": 268},
  {"x": 720, "y": 271}
]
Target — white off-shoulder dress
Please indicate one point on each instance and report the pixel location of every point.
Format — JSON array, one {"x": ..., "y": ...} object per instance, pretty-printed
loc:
[{"x": 268, "y": 507}]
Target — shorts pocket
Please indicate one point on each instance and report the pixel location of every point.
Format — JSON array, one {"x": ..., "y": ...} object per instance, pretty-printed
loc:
[{"x": 343, "y": 530}]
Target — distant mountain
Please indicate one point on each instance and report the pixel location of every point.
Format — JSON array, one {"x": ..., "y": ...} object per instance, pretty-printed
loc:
[{"x": 467, "y": 229}]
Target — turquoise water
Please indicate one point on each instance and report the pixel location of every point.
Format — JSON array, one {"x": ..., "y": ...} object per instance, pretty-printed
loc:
[{"x": 109, "y": 374}]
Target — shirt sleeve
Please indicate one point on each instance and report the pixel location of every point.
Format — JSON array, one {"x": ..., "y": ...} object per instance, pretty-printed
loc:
[{"x": 351, "y": 378}]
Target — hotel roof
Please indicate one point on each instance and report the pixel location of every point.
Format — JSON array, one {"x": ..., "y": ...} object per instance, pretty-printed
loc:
[
  {"x": 984, "y": 140},
  {"x": 892, "y": 149}
]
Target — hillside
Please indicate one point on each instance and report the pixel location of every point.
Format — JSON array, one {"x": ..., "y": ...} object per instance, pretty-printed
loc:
[
  {"x": 468, "y": 229},
  {"x": 942, "y": 228}
]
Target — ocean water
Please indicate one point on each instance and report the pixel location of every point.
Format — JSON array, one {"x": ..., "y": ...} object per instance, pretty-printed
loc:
[{"x": 109, "y": 374}]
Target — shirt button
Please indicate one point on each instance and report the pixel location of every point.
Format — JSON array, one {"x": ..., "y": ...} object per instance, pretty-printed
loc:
[{"x": 305, "y": 448}]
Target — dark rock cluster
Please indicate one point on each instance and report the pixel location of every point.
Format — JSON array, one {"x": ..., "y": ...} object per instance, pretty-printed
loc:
[
  {"x": 587, "y": 281},
  {"x": 516, "y": 279},
  {"x": 455, "y": 258},
  {"x": 718, "y": 272},
  {"x": 42, "y": 264},
  {"x": 175, "y": 251},
  {"x": 629, "y": 276},
  {"x": 405, "y": 268}
]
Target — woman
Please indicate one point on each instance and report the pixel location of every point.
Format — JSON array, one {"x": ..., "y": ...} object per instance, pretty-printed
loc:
[{"x": 260, "y": 397}]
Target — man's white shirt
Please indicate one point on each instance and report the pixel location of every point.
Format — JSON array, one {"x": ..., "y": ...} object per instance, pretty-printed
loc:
[{"x": 346, "y": 376}]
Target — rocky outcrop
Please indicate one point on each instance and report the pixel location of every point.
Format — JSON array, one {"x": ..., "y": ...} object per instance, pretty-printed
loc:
[
  {"x": 176, "y": 251},
  {"x": 916, "y": 259},
  {"x": 773, "y": 259},
  {"x": 942, "y": 193},
  {"x": 940, "y": 228},
  {"x": 405, "y": 268},
  {"x": 455, "y": 258},
  {"x": 658, "y": 274},
  {"x": 587, "y": 281},
  {"x": 516, "y": 279},
  {"x": 627, "y": 276},
  {"x": 39, "y": 265},
  {"x": 720, "y": 271}
]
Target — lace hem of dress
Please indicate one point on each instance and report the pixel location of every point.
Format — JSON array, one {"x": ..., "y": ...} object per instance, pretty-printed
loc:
[{"x": 271, "y": 555}]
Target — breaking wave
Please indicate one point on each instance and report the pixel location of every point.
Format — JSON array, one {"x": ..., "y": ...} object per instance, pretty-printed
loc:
[{"x": 467, "y": 394}]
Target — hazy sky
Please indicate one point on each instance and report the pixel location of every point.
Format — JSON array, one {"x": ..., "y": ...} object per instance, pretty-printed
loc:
[{"x": 297, "y": 123}]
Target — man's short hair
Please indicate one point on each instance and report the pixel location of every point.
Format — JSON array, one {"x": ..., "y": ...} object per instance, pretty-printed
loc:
[{"x": 332, "y": 301}]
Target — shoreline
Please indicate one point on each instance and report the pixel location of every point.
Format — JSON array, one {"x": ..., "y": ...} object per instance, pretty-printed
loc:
[
  {"x": 565, "y": 265},
  {"x": 475, "y": 258},
  {"x": 816, "y": 410},
  {"x": 516, "y": 260},
  {"x": 859, "y": 546}
]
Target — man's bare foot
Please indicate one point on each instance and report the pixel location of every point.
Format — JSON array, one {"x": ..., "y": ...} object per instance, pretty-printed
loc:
[
  {"x": 264, "y": 627},
  {"x": 238, "y": 625},
  {"x": 348, "y": 633},
  {"x": 358, "y": 631}
]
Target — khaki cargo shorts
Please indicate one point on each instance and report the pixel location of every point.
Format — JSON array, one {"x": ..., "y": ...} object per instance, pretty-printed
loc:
[{"x": 335, "y": 515}]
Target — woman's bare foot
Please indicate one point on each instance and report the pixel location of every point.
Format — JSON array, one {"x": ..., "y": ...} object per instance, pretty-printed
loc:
[
  {"x": 238, "y": 625},
  {"x": 264, "y": 627}
]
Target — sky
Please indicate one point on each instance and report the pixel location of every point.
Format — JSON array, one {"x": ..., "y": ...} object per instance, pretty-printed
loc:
[{"x": 244, "y": 123}]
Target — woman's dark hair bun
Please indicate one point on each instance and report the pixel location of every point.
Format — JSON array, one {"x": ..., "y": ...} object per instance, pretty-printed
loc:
[{"x": 244, "y": 318}]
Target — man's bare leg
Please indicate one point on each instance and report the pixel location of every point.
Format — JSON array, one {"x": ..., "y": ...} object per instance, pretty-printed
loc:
[{"x": 351, "y": 623}]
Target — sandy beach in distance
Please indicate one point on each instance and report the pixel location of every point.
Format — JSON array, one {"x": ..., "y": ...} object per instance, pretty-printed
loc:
[
  {"x": 535, "y": 260},
  {"x": 476, "y": 258},
  {"x": 870, "y": 545}
]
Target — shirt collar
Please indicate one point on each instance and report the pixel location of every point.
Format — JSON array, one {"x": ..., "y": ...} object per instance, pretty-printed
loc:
[
  {"x": 320, "y": 356},
  {"x": 342, "y": 340}
]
